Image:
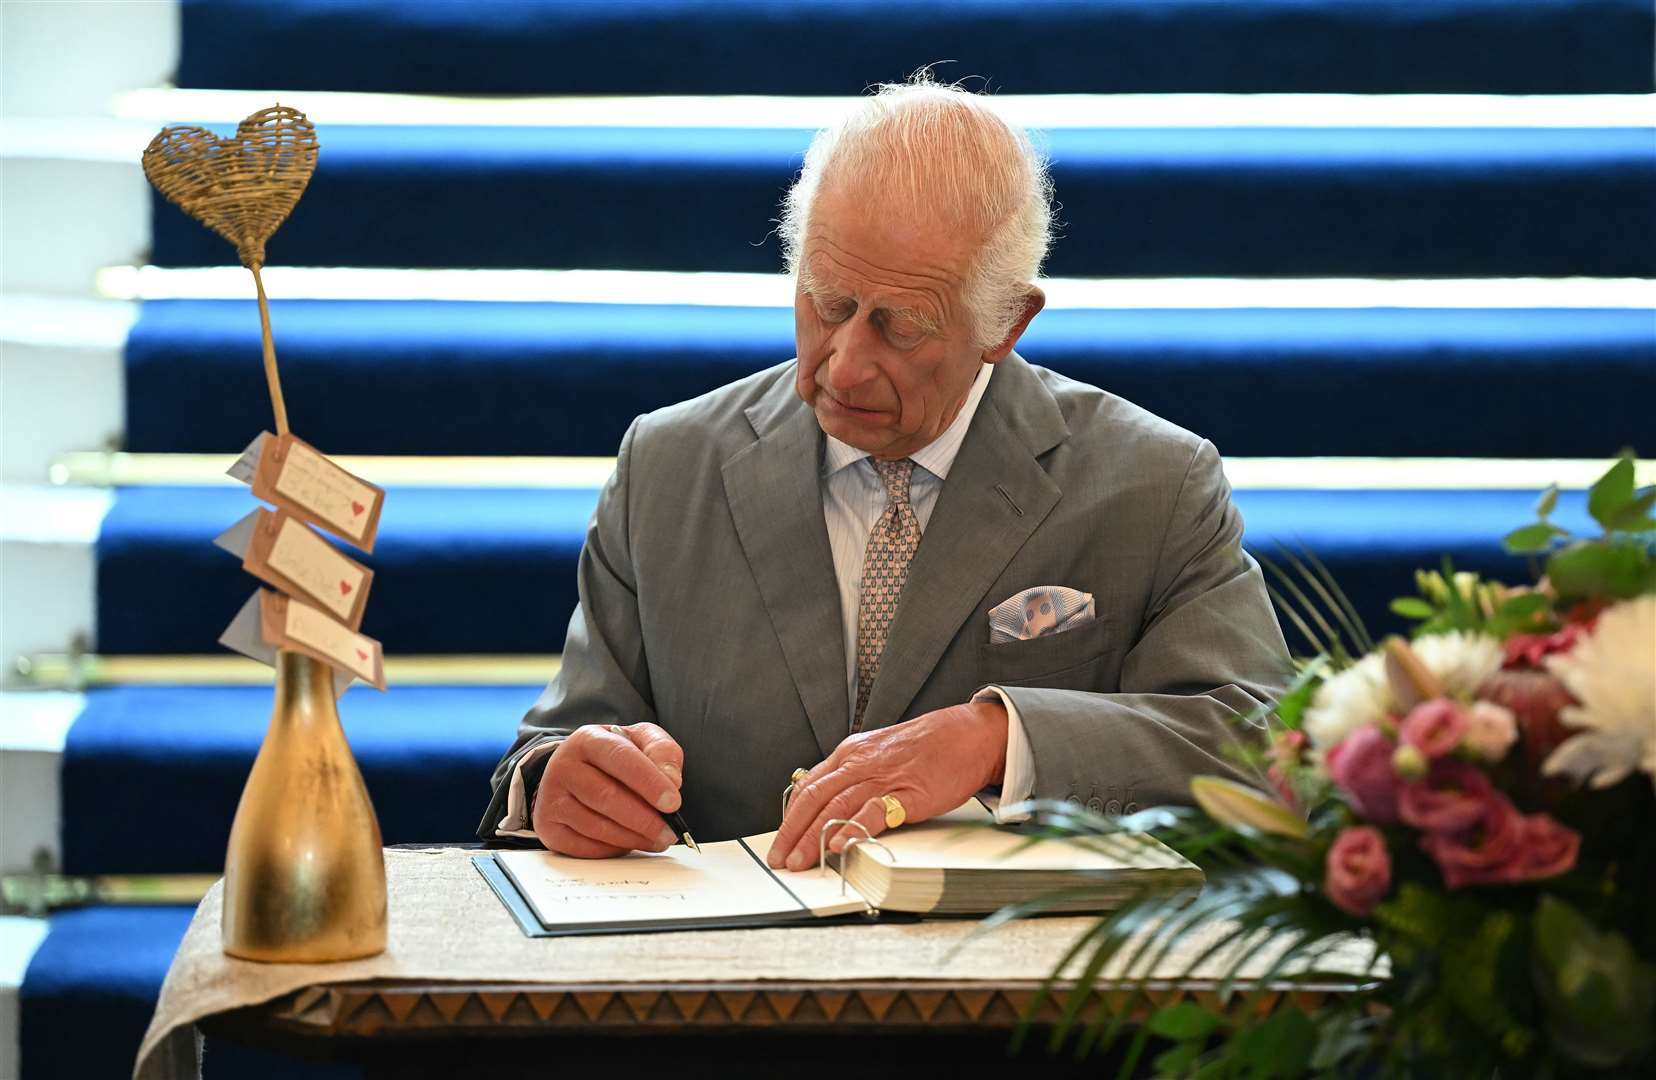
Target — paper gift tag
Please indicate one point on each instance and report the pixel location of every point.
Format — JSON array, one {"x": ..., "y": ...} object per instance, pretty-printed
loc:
[
  {"x": 245, "y": 635},
  {"x": 288, "y": 623},
  {"x": 300, "y": 479},
  {"x": 248, "y": 463},
  {"x": 283, "y": 551}
]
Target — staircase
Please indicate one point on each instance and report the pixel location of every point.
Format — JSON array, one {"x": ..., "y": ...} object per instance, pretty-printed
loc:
[{"x": 1400, "y": 306}]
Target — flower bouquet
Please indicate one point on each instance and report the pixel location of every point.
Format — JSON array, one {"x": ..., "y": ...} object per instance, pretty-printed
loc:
[{"x": 1474, "y": 805}]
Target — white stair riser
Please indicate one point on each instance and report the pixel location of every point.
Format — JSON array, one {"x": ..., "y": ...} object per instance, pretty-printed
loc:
[
  {"x": 71, "y": 59},
  {"x": 29, "y": 807},
  {"x": 47, "y": 597},
  {"x": 54, "y": 400},
  {"x": 62, "y": 219}
]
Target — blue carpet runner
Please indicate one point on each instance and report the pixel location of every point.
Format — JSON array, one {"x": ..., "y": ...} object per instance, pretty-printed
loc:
[
  {"x": 1136, "y": 202},
  {"x": 90, "y": 990},
  {"x": 448, "y": 377},
  {"x": 161, "y": 768},
  {"x": 838, "y": 46},
  {"x": 499, "y": 565}
]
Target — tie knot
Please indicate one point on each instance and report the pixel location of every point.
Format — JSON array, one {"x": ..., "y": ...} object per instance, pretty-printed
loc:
[{"x": 895, "y": 475}]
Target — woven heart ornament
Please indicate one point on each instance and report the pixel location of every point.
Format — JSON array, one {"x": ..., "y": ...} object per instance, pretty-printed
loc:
[{"x": 244, "y": 187}]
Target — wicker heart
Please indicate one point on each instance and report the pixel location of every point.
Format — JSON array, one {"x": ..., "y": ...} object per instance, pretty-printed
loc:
[{"x": 242, "y": 188}]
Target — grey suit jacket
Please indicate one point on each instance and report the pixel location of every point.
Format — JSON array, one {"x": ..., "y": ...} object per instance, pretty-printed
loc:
[{"x": 708, "y": 602}]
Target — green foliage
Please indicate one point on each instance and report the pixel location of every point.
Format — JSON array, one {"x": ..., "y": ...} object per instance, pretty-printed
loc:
[
  {"x": 1594, "y": 569},
  {"x": 1184, "y": 1021},
  {"x": 1600, "y": 998}
]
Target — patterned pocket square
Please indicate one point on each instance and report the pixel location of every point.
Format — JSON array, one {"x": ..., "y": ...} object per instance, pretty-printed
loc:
[{"x": 1037, "y": 612}]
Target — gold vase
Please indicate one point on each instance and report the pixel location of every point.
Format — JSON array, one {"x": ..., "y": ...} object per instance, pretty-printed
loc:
[{"x": 304, "y": 879}]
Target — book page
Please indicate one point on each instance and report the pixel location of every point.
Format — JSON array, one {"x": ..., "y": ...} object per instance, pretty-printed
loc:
[
  {"x": 722, "y": 882},
  {"x": 957, "y": 841},
  {"x": 818, "y": 888}
]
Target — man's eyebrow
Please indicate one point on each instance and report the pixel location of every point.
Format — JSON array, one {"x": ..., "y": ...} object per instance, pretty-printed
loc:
[{"x": 922, "y": 320}]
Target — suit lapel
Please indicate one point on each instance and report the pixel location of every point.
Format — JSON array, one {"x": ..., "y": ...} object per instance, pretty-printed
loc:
[
  {"x": 996, "y": 495},
  {"x": 775, "y": 498}
]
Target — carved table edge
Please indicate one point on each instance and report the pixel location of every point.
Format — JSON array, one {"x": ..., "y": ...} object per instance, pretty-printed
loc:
[{"x": 436, "y": 1009}]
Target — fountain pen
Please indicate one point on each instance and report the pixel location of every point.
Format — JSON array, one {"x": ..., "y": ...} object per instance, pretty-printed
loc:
[{"x": 676, "y": 822}]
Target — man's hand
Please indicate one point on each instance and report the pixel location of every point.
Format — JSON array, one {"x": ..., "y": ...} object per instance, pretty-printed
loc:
[
  {"x": 605, "y": 789},
  {"x": 932, "y": 764}
]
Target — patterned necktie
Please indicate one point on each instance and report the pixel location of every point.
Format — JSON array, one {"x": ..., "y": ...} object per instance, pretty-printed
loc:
[{"x": 891, "y": 546}]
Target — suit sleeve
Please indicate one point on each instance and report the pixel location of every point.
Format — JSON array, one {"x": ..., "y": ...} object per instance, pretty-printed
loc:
[
  {"x": 603, "y": 678},
  {"x": 1208, "y": 653}
]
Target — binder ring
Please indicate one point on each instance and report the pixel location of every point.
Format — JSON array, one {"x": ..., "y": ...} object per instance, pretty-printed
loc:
[{"x": 865, "y": 838}]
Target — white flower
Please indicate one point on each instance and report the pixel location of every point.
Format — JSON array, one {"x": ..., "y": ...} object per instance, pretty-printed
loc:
[
  {"x": 1612, "y": 672},
  {"x": 1362, "y": 695},
  {"x": 1356, "y": 696},
  {"x": 1460, "y": 660}
]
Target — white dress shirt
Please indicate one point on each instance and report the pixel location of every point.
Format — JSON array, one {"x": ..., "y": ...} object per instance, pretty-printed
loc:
[{"x": 853, "y": 498}]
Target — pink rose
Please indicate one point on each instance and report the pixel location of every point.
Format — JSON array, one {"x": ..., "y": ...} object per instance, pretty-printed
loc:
[
  {"x": 1434, "y": 727},
  {"x": 1489, "y": 851},
  {"x": 1453, "y": 796},
  {"x": 1358, "y": 870},
  {"x": 1491, "y": 730},
  {"x": 1361, "y": 766},
  {"x": 1549, "y": 848}
]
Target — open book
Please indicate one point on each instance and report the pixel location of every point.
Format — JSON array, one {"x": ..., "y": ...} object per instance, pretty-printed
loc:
[{"x": 942, "y": 867}]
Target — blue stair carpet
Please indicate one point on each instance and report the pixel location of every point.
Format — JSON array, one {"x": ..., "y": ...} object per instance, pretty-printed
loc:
[
  {"x": 152, "y": 774},
  {"x": 499, "y": 565},
  {"x": 448, "y": 377},
  {"x": 1137, "y": 202},
  {"x": 90, "y": 991},
  {"x": 838, "y": 46}
]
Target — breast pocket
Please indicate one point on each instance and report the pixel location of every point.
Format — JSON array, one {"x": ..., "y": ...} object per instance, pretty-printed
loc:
[{"x": 1079, "y": 659}]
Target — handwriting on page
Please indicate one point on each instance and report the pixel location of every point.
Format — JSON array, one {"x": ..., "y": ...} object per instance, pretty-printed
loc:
[
  {"x": 722, "y": 881},
  {"x": 328, "y": 491},
  {"x": 357, "y": 653},
  {"x": 291, "y": 624},
  {"x": 335, "y": 582}
]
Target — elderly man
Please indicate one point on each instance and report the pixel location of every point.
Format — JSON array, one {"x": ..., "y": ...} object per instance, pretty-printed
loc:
[{"x": 907, "y": 561}]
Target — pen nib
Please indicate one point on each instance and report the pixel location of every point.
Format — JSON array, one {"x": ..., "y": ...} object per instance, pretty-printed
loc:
[{"x": 691, "y": 840}]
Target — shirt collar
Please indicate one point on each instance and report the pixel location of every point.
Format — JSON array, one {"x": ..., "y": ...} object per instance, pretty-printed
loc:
[{"x": 937, "y": 456}]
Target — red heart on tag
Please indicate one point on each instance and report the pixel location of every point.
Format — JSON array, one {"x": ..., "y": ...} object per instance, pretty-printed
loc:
[
  {"x": 362, "y": 654},
  {"x": 356, "y": 507},
  {"x": 344, "y": 588}
]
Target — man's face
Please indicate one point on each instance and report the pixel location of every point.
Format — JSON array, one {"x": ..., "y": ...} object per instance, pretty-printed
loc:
[{"x": 886, "y": 357}]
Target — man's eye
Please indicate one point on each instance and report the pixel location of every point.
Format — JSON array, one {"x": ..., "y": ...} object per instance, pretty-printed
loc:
[
  {"x": 904, "y": 337},
  {"x": 837, "y": 312}
]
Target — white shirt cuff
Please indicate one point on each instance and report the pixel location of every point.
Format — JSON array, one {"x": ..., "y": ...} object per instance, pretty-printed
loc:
[
  {"x": 1019, "y": 779},
  {"x": 515, "y": 822}
]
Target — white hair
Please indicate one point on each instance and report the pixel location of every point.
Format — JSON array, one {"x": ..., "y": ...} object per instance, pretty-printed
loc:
[{"x": 943, "y": 149}]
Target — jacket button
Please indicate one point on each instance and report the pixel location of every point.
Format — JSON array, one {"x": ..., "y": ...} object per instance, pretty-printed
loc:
[
  {"x": 1113, "y": 807},
  {"x": 1072, "y": 800},
  {"x": 1095, "y": 804},
  {"x": 1131, "y": 808}
]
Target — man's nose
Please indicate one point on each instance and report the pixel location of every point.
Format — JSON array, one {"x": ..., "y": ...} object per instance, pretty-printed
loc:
[{"x": 851, "y": 356}]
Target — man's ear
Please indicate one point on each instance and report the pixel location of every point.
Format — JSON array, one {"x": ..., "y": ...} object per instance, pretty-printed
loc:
[{"x": 1034, "y": 301}]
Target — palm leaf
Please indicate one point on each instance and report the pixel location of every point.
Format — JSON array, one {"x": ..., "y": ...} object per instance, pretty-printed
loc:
[
  {"x": 1348, "y": 620},
  {"x": 1364, "y": 640},
  {"x": 1335, "y": 647}
]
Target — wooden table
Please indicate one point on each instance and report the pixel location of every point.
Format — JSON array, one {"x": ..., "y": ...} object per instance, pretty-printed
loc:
[
  {"x": 870, "y": 1029},
  {"x": 461, "y": 992}
]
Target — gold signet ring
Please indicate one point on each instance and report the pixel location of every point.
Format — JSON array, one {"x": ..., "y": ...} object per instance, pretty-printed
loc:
[
  {"x": 895, "y": 814},
  {"x": 798, "y": 776}
]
